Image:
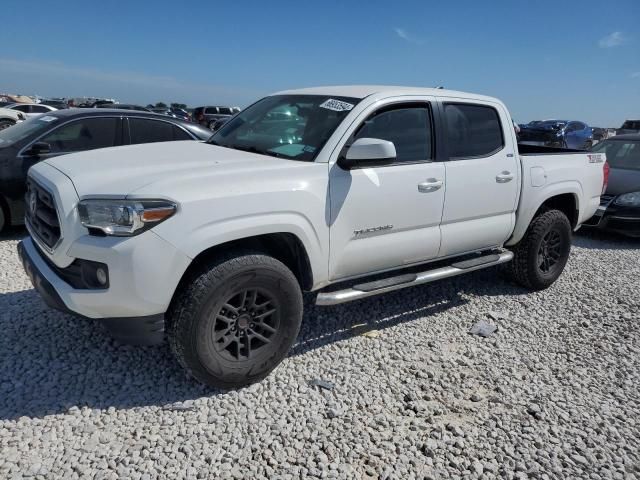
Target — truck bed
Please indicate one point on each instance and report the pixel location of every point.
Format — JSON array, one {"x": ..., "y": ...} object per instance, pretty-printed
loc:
[
  {"x": 547, "y": 172},
  {"x": 526, "y": 149}
]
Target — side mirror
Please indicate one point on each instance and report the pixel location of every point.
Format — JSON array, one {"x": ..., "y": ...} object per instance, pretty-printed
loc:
[
  {"x": 39, "y": 148},
  {"x": 368, "y": 152}
]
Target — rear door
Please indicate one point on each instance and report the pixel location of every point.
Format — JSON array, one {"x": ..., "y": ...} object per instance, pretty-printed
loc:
[
  {"x": 483, "y": 176},
  {"x": 386, "y": 217}
]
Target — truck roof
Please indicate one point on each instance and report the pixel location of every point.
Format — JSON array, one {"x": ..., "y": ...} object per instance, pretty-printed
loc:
[{"x": 362, "y": 91}]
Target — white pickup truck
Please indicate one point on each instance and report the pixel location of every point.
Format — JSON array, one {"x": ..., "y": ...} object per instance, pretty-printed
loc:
[{"x": 214, "y": 242}]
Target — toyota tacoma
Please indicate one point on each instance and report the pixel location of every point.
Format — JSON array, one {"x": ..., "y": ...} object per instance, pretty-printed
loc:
[{"x": 213, "y": 243}]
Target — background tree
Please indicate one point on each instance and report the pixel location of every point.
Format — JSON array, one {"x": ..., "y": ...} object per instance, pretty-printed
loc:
[
  {"x": 183, "y": 106},
  {"x": 161, "y": 105}
]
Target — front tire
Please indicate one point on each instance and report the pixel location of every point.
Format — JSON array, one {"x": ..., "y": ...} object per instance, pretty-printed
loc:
[
  {"x": 235, "y": 320},
  {"x": 6, "y": 124},
  {"x": 542, "y": 254}
]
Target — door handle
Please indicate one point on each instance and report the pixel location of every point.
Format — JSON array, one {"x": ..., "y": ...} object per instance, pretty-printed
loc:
[
  {"x": 504, "y": 177},
  {"x": 431, "y": 185}
]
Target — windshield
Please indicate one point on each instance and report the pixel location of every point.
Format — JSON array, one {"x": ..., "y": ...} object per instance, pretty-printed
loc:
[
  {"x": 621, "y": 154},
  {"x": 22, "y": 130},
  {"x": 288, "y": 126}
]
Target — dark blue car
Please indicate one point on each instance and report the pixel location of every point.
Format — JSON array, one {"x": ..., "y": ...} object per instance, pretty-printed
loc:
[{"x": 557, "y": 133}]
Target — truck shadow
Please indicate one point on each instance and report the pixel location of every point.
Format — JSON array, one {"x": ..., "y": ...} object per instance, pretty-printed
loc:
[
  {"x": 603, "y": 240},
  {"x": 50, "y": 361}
]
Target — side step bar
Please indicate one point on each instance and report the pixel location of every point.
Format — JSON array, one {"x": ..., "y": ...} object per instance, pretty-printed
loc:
[{"x": 370, "y": 289}]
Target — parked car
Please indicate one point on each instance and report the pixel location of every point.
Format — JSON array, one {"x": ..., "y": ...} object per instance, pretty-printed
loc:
[
  {"x": 629, "y": 126},
  {"x": 75, "y": 130},
  {"x": 173, "y": 112},
  {"x": 619, "y": 209},
  {"x": 569, "y": 134},
  {"x": 31, "y": 109},
  {"x": 9, "y": 117},
  {"x": 58, "y": 104},
  {"x": 208, "y": 116},
  {"x": 221, "y": 237},
  {"x": 181, "y": 113},
  {"x": 123, "y": 106},
  {"x": 219, "y": 123}
]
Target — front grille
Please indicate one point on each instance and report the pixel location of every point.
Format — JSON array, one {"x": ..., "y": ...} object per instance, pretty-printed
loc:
[{"x": 41, "y": 214}]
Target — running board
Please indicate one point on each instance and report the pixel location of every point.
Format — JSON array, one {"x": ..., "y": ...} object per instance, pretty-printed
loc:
[{"x": 377, "y": 287}]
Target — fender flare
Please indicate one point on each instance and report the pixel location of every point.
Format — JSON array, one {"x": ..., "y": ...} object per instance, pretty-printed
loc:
[{"x": 524, "y": 216}]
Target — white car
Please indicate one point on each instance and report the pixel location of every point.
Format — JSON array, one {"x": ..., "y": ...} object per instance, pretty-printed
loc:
[
  {"x": 10, "y": 117},
  {"x": 312, "y": 190},
  {"x": 31, "y": 109}
]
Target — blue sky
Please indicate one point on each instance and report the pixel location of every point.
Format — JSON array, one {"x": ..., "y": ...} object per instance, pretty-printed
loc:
[{"x": 544, "y": 59}]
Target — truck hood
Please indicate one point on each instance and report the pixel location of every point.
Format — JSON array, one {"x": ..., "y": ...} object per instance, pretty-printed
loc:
[{"x": 121, "y": 171}]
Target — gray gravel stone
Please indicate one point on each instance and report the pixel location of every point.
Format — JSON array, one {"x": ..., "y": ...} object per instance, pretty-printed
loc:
[{"x": 546, "y": 397}]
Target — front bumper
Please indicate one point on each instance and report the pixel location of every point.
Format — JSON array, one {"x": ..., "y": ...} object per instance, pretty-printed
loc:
[
  {"x": 133, "y": 306},
  {"x": 614, "y": 218}
]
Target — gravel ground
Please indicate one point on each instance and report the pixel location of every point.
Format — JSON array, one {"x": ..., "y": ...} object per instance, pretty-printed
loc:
[{"x": 553, "y": 393}]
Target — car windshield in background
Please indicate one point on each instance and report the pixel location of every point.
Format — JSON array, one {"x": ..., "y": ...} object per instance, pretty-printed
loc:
[
  {"x": 631, "y": 125},
  {"x": 620, "y": 153},
  {"x": 22, "y": 130},
  {"x": 287, "y": 126}
]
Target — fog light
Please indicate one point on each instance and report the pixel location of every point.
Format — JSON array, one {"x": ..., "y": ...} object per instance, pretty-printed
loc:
[{"x": 101, "y": 276}]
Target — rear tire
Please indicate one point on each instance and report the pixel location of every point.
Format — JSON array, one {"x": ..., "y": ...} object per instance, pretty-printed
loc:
[
  {"x": 3, "y": 218},
  {"x": 235, "y": 320},
  {"x": 541, "y": 255}
]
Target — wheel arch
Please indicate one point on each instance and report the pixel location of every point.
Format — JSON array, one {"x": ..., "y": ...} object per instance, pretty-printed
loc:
[
  {"x": 565, "y": 198},
  {"x": 283, "y": 246},
  {"x": 6, "y": 211}
]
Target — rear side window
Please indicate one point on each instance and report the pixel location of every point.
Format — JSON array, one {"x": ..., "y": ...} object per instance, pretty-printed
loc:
[
  {"x": 143, "y": 130},
  {"x": 225, "y": 111},
  {"x": 211, "y": 111},
  {"x": 472, "y": 130},
  {"x": 85, "y": 134},
  {"x": 409, "y": 128},
  {"x": 39, "y": 109}
]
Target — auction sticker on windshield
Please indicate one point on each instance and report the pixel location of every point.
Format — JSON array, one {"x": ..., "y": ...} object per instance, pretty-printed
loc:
[
  {"x": 336, "y": 105},
  {"x": 47, "y": 119}
]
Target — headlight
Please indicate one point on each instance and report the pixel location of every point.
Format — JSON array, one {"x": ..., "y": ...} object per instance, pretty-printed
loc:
[
  {"x": 124, "y": 218},
  {"x": 628, "y": 200}
]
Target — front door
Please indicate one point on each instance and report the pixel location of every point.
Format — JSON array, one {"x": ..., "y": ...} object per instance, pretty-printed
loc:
[
  {"x": 483, "y": 178},
  {"x": 388, "y": 217}
]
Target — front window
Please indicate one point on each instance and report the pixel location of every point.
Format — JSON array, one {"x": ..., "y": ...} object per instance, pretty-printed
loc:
[
  {"x": 620, "y": 154},
  {"x": 287, "y": 126},
  {"x": 82, "y": 135}
]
